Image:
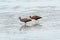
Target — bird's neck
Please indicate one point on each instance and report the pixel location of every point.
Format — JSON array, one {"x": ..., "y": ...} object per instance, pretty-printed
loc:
[{"x": 20, "y": 18}]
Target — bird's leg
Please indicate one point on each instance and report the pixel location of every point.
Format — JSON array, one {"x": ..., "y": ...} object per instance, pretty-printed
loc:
[
  {"x": 37, "y": 21},
  {"x": 25, "y": 24}
]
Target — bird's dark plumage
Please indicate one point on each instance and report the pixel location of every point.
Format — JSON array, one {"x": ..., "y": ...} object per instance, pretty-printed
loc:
[{"x": 35, "y": 17}]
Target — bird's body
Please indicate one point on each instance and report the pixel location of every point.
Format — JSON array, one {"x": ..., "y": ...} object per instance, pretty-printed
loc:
[
  {"x": 35, "y": 17},
  {"x": 24, "y": 20}
]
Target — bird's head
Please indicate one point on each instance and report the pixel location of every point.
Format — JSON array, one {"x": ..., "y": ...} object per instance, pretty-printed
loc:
[
  {"x": 30, "y": 16},
  {"x": 19, "y": 17}
]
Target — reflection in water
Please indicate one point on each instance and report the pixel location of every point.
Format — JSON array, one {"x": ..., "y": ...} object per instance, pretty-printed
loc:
[
  {"x": 30, "y": 27},
  {"x": 25, "y": 27},
  {"x": 36, "y": 24}
]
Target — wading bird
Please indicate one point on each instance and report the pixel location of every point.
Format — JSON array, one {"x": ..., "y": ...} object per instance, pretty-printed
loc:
[
  {"x": 35, "y": 17},
  {"x": 25, "y": 20}
]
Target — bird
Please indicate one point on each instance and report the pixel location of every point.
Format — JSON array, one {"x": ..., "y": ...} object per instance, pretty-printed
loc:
[
  {"x": 25, "y": 20},
  {"x": 35, "y": 17}
]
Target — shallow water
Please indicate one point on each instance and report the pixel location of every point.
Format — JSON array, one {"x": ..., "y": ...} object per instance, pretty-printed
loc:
[{"x": 49, "y": 25}]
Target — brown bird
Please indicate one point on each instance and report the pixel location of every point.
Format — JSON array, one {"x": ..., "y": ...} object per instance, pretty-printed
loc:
[
  {"x": 35, "y": 17},
  {"x": 24, "y": 20}
]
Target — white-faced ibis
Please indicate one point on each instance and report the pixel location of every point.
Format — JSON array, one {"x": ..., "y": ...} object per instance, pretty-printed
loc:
[
  {"x": 25, "y": 20},
  {"x": 35, "y": 17}
]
